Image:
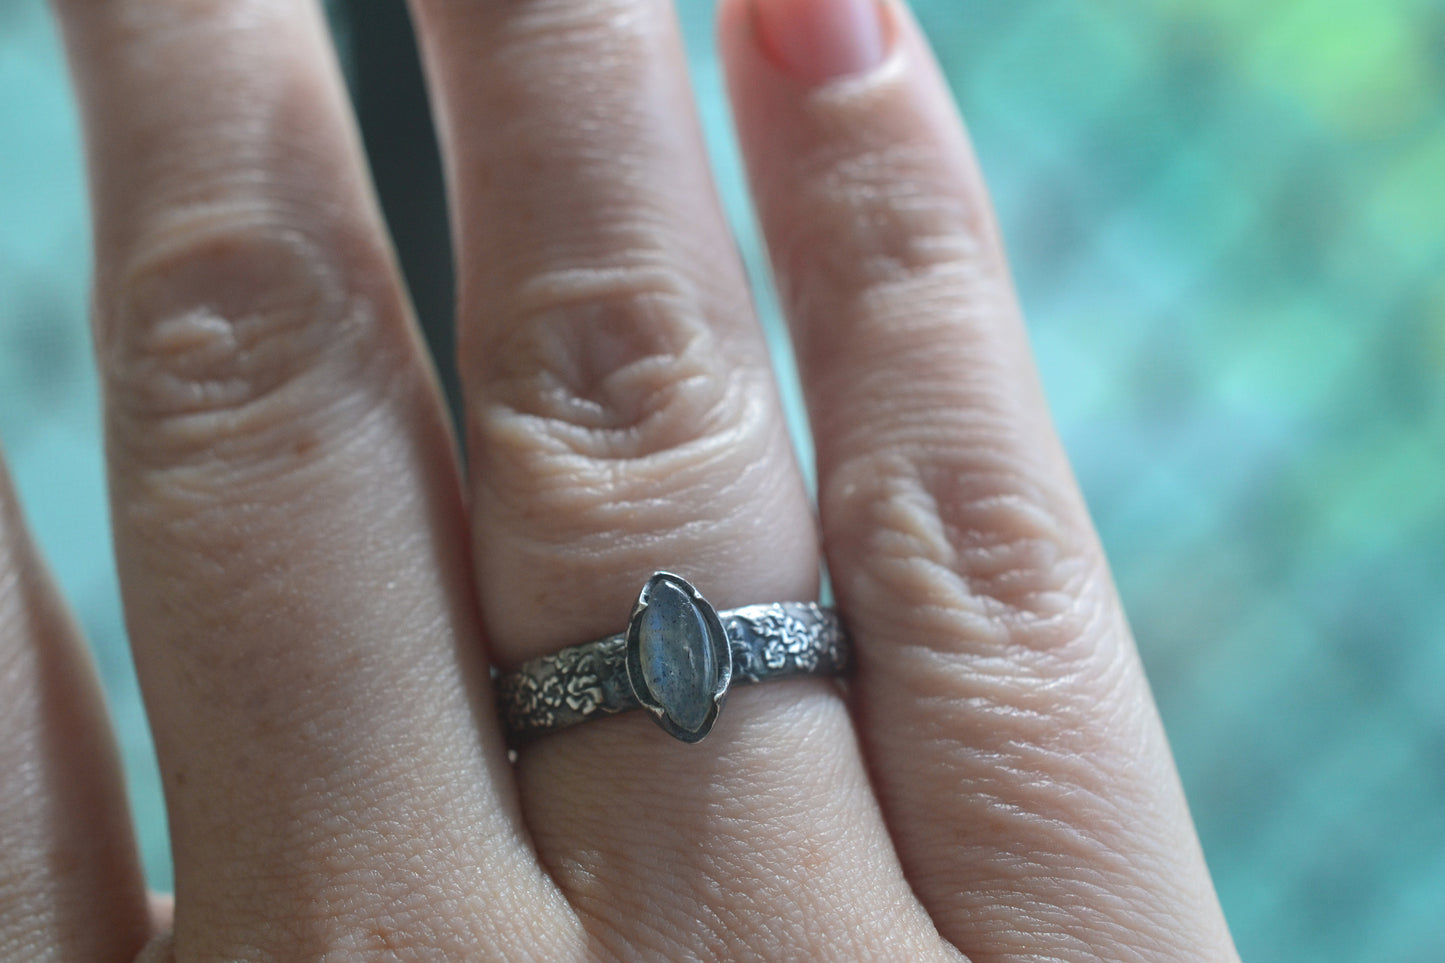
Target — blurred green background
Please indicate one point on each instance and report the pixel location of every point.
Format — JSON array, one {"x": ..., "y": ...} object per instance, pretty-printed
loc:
[{"x": 1228, "y": 226}]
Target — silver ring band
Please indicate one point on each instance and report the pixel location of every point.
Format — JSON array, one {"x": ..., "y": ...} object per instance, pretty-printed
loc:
[{"x": 676, "y": 659}]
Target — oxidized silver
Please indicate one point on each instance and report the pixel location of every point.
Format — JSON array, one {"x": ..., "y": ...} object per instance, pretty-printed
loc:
[{"x": 676, "y": 660}]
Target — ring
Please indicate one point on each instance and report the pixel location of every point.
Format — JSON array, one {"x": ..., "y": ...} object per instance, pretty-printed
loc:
[{"x": 676, "y": 659}]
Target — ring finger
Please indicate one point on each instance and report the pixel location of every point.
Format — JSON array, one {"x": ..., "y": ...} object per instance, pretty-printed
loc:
[{"x": 622, "y": 419}]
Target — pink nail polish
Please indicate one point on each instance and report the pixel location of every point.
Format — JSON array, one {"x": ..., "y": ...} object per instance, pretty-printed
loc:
[{"x": 821, "y": 40}]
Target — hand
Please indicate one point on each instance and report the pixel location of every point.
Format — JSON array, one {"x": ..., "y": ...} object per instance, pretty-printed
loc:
[{"x": 315, "y": 603}]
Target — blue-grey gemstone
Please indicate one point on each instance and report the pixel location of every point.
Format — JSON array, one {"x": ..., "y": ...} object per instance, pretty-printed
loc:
[{"x": 677, "y": 657}]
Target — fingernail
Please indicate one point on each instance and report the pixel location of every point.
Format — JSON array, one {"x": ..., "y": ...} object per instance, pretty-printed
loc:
[{"x": 820, "y": 40}]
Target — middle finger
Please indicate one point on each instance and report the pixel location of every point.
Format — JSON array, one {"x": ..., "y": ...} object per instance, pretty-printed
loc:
[
  {"x": 283, "y": 491},
  {"x": 622, "y": 419}
]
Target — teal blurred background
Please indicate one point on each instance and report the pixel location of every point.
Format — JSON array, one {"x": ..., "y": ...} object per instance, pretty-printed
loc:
[{"x": 1228, "y": 226}]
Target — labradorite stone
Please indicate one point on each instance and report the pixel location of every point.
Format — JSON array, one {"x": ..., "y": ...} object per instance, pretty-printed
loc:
[{"x": 677, "y": 658}]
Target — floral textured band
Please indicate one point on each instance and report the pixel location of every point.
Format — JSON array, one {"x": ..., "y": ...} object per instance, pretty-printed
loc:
[{"x": 676, "y": 660}]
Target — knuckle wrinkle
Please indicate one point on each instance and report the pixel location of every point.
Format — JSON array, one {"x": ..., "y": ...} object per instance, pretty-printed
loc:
[{"x": 218, "y": 317}]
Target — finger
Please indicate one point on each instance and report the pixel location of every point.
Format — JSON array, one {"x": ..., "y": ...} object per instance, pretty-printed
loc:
[
  {"x": 161, "y": 908},
  {"x": 622, "y": 419},
  {"x": 70, "y": 884},
  {"x": 1018, "y": 757},
  {"x": 286, "y": 506}
]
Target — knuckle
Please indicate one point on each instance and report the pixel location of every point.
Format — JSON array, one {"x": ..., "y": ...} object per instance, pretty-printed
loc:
[
  {"x": 973, "y": 548},
  {"x": 614, "y": 421},
  {"x": 226, "y": 329},
  {"x": 879, "y": 218},
  {"x": 620, "y": 370}
]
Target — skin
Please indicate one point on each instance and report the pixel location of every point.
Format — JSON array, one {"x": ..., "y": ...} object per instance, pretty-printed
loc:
[{"x": 315, "y": 595}]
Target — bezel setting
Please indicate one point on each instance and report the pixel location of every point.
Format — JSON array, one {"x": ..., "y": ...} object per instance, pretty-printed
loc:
[{"x": 717, "y": 640}]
